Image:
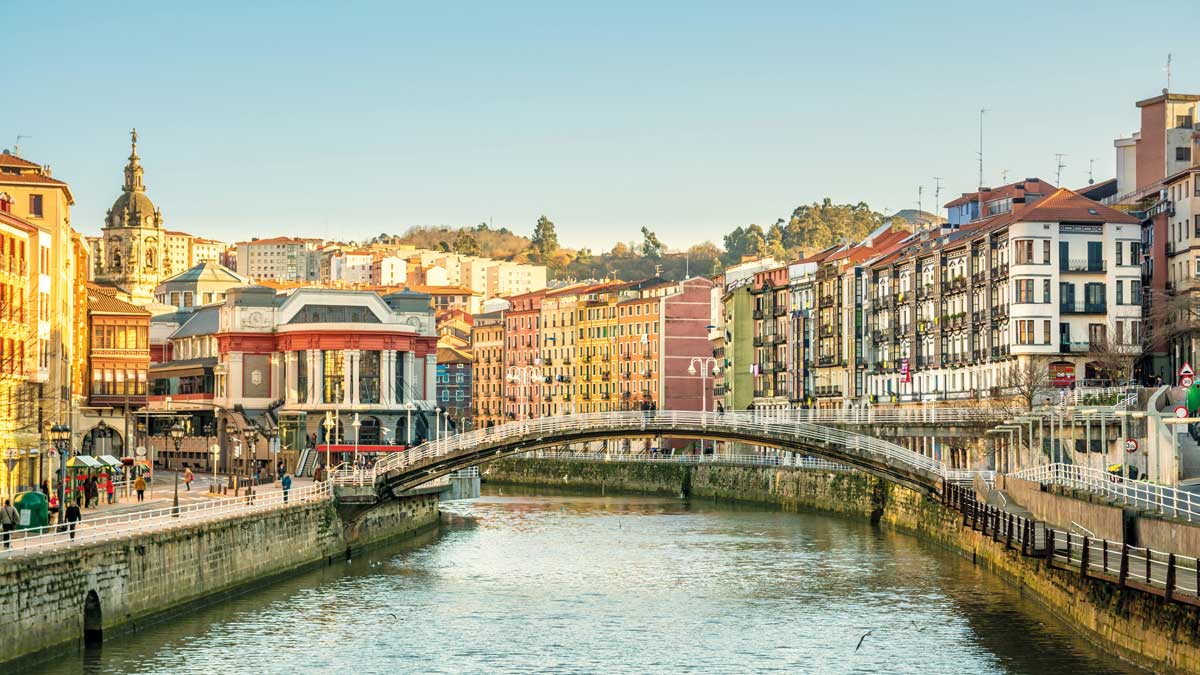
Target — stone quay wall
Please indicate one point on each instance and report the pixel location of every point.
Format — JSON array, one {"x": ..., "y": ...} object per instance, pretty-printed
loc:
[
  {"x": 52, "y": 599},
  {"x": 1161, "y": 636}
]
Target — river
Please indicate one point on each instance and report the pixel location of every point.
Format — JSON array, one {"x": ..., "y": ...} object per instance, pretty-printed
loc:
[{"x": 533, "y": 582}]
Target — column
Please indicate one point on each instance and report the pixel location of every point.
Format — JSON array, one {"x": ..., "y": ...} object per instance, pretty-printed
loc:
[
  {"x": 316, "y": 380},
  {"x": 353, "y": 366},
  {"x": 233, "y": 380},
  {"x": 290, "y": 377},
  {"x": 411, "y": 378},
  {"x": 387, "y": 377},
  {"x": 431, "y": 377},
  {"x": 346, "y": 380}
]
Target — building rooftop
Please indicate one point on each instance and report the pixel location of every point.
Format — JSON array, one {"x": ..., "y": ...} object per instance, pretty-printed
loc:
[
  {"x": 103, "y": 300},
  {"x": 1017, "y": 189},
  {"x": 207, "y": 271}
]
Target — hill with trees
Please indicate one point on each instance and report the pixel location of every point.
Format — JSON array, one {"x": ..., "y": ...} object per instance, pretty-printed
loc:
[{"x": 809, "y": 228}]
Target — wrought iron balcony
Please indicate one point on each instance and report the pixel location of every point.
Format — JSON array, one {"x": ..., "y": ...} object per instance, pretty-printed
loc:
[
  {"x": 1083, "y": 308},
  {"x": 1083, "y": 265}
]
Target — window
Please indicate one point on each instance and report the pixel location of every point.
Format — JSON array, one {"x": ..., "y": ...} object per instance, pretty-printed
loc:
[
  {"x": 1046, "y": 331},
  {"x": 1135, "y": 252},
  {"x": 1121, "y": 249},
  {"x": 1183, "y": 121},
  {"x": 1046, "y": 291},
  {"x": 1046, "y": 253},
  {"x": 35, "y": 206},
  {"x": 1183, "y": 154},
  {"x": 1024, "y": 332},
  {"x": 1096, "y": 333},
  {"x": 1023, "y": 252},
  {"x": 302, "y": 376},
  {"x": 1120, "y": 292},
  {"x": 1024, "y": 288},
  {"x": 1135, "y": 292},
  {"x": 334, "y": 365},
  {"x": 368, "y": 376}
]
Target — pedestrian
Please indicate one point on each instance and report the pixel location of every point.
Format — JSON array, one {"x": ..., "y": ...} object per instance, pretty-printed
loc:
[
  {"x": 140, "y": 486},
  {"x": 46, "y": 488},
  {"x": 188, "y": 477},
  {"x": 108, "y": 488},
  {"x": 287, "y": 486},
  {"x": 54, "y": 507},
  {"x": 257, "y": 473},
  {"x": 319, "y": 473},
  {"x": 74, "y": 515},
  {"x": 720, "y": 408},
  {"x": 91, "y": 493},
  {"x": 8, "y": 522}
]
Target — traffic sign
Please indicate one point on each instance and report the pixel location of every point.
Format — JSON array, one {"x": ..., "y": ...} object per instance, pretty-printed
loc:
[
  {"x": 1181, "y": 411},
  {"x": 1185, "y": 381},
  {"x": 1186, "y": 369},
  {"x": 1131, "y": 445}
]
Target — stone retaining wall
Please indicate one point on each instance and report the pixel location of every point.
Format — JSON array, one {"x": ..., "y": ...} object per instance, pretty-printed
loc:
[
  {"x": 43, "y": 594},
  {"x": 1161, "y": 636}
]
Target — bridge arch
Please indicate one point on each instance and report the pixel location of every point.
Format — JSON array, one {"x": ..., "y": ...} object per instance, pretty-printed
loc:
[{"x": 408, "y": 469}]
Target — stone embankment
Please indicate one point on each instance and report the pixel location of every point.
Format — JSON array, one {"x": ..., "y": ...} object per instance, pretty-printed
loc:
[
  {"x": 1161, "y": 636},
  {"x": 60, "y": 597}
]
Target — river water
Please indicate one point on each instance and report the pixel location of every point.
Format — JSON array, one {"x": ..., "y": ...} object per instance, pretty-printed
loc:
[{"x": 535, "y": 582}]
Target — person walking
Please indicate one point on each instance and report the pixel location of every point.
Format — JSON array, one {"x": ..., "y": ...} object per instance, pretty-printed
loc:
[
  {"x": 8, "y": 522},
  {"x": 74, "y": 515},
  {"x": 140, "y": 486},
  {"x": 188, "y": 477},
  {"x": 54, "y": 507},
  {"x": 287, "y": 486},
  {"x": 108, "y": 489}
]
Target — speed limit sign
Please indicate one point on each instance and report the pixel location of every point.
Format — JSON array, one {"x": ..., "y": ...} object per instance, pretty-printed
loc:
[
  {"x": 1181, "y": 411},
  {"x": 1186, "y": 381},
  {"x": 1131, "y": 445}
]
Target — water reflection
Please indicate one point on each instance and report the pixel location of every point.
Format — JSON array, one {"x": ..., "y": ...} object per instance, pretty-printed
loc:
[{"x": 564, "y": 583}]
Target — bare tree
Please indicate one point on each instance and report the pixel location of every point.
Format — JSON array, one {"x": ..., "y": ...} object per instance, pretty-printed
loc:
[
  {"x": 1118, "y": 351},
  {"x": 1026, "y": 381}
]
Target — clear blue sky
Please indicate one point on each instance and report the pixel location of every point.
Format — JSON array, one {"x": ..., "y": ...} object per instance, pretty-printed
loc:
[{"x": 690, "y": 118}]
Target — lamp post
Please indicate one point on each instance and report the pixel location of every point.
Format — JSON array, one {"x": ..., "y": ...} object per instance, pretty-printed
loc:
[
  {"x": 446, "y": 422},
  {"x": 177, "y": 437},
  {"x": 707, "y": 365},
  {"x": 408, "y": 408},
  {"x": 357, "y": 423},
  {"x": 329, "y": 424},
  {"x": 270, "y": 433},
  {"x": 60, "y": 435},
  {"x": 523, "y": 375},
  {"x": 437, "y": 424},
  {"x": 251, "y": 435}
]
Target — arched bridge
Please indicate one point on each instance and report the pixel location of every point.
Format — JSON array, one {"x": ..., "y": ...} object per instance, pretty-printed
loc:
[{"x": 412, "y": 467}]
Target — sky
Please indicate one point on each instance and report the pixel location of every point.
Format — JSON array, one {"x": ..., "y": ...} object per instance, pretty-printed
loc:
[{"x": 344, "y": 120}]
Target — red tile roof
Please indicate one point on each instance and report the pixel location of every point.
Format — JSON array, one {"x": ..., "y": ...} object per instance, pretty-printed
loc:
[
  {"x": 9, "y": 159},
  {"x": 1063, "y": 206},
  {"x": 1017, "y": 189}
]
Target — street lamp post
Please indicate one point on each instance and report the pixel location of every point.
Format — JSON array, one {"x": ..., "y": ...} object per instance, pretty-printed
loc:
[
  {"x": 270, "y": 433},
  {"x": 524, "y": 376},
  {"x": 707, "y": 365},
  {"x": 437, "y": 424},
  {"x": 408, "y": 408},
  {"x": 329, "y": 424},
  {"x": 251, "y": 435},
  {"x": 177, "y": 437},
  {"x": 60, "y": 435},
  {"x": 445, "y": 422},
  {"x": 357, "y": 423}
]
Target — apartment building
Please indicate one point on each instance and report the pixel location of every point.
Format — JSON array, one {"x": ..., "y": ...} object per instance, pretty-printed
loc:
[
  {"x": 1034, "y": 290},
  {"x": 523, "y": 377},
  {"x": 558, "y": 322},
  {"x": 773, "y": 338},
  {"x": 279, "y": 259},
  {"x": 487, "y": 383}
]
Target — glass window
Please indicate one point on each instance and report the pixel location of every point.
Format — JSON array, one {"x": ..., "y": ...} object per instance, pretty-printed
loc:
[
  {"x": 334, "y": 365},
  {"x": 302, "y": 376}
]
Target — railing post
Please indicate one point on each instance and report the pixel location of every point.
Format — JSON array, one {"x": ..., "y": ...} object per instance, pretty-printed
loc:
[
  {"x": 1026, "y": 537},
  {"x": 1105, "y": 556},
  {"x": 1148, "y": 566},
  {"x": 1049, "y": 546},
  {"x": 1170, "y": 576},
  {"x": 1123, "y": 575},
  {"x": 1084, "y": 557},
  {"x": 1008, "y": 537}
]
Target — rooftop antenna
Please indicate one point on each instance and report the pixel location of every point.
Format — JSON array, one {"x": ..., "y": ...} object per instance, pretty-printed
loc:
[
  {"x": 1004, "y": 176},
  {"x": 1058, "y": 175},
  {"x": 920, "y": 194},
  {"x": 17, "y": 145},
  {"x": 1168, "y": 69},
  {"x": 979, "y": 194},
  {"x": 1091, "y": 171},
  {"x": 937, "y": 193}
]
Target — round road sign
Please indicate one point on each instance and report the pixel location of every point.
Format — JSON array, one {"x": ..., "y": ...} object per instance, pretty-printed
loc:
[
  {"x": 1181, "y": 411},
  {"x": 1186, "y": 381},
  {"x": 1131, "y": 445}
]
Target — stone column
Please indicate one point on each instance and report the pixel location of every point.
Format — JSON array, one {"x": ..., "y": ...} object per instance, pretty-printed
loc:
[
  {"x": 290, "y": 377},
  {"x": 347, "y": 359},
  {"x": 316, "y": 363},
  {"x": 410, "y": 377},
  {"x": 431, "y": 378},
  {"x": 233, "y": 377}
]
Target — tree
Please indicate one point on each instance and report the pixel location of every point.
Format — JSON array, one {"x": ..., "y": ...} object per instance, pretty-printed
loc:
[
  {"x": 652, "y": 247},
  {"x": 466, "y": 244},
  {"x": 1027, "y": 380},
  {"x": 545, "y": 240},
  {"x": 1117, "y": 353}
]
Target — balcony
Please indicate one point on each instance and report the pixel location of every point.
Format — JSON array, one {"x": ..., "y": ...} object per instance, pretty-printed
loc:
[
  {"x": 826, "y": 361},
  {"x": 999, "y": 312},
  {"x": 758, "y": 313},
  {"x": 827, "y": 331},
  {"x": 779, "y": 310},
  {"x": 925, "y": 292},
  {"x": 780, "y": 338},
  {"x": 999, "y": 352},
  {"x": 881, "y": 334},
  {"x": 824, "y": 391},
  {"x": 1000, "y": 271},
  {"x": 1084, "y": 266},
  {"x": 1073, "y": 347},
  {"x": 977, "y": 279},
  {"x": 758, "y": 340},
  {"x": 958, "y": 284},
  {"x": 1163, "y": 206},
  {"x": 978, "y": 317},
  {"x": 826, "y": 301},
  {"x": 1083, "y": 308}
]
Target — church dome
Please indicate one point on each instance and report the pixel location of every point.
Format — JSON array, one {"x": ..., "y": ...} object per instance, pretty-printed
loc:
[{"x": 141, "y": 210}]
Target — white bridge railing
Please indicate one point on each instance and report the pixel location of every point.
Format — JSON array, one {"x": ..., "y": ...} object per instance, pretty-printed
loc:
[
  {"x": 103, "y": 528},
  {"x": 1162, "y": 499},
  {"x": 770, "y": 428},
  {"x": 785, "y": 459}
]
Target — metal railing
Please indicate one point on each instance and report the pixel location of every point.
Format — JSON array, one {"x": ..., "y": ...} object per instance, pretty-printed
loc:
[
  {"x": 783, "y": 459},
  {"x": 1161, "y": 499},
  {"x": 773, "y": 428},
  {"x": 103, "y": 528}
]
